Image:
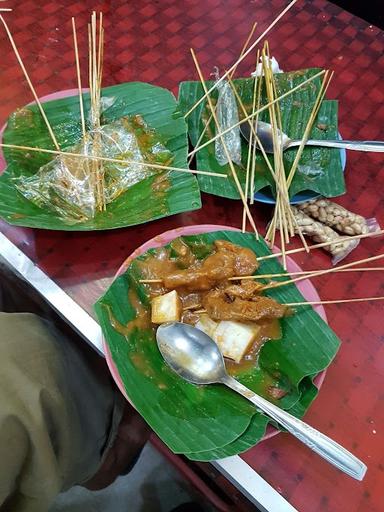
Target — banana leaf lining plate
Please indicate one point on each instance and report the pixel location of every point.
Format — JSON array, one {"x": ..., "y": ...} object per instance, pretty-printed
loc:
[
  {"x": 188, "y": 418},
  {"x": 144, "y": 201},
  {"x": 320, "y": 170}
]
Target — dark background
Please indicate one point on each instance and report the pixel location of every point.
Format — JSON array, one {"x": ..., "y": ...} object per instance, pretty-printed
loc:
[{"x": 370, "y": 10}]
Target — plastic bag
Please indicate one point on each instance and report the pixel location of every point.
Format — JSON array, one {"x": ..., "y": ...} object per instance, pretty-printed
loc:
[
  {"x": 318, "y": 232},
  {"x": 227, "y": 115}
]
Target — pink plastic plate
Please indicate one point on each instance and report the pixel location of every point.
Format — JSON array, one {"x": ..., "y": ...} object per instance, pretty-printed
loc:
[{"x": 305, "y": 287}]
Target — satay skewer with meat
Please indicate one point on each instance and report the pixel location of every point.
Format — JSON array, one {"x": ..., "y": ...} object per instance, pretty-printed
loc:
[{"x": 202, "y": 292}]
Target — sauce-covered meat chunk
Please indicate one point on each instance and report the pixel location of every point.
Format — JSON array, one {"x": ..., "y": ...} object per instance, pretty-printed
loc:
[
  {"x": 229, "y": 260},
  {"x": 245, "y": 259},
  {"x": 220, "y": 307},
  {"x": 246, "y": 290},
  {"x": 217, "y": 267}
]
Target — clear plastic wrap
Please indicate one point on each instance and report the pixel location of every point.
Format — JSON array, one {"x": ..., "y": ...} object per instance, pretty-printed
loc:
[
  {"x": 227, "y": 115},
  {"x": 70, "y": 185},
  {"x": 338, "y": 218}
]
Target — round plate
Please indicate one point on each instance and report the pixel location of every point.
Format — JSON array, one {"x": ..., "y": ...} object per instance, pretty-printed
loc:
[
  {"x": 305, "y": 287},
  {"x": 267, "y": 198},
  {"x": 181, "y": 195}
]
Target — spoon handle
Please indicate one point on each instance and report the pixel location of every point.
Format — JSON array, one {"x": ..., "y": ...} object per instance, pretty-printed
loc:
[
  {"x": 363, "y": 145},
  {"x": 318, "y": 442}
]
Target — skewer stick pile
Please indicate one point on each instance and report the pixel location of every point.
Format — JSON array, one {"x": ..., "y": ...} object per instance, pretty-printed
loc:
[
  {"x": 283, "y": 218},
  {"x": 96, "y": 50}
]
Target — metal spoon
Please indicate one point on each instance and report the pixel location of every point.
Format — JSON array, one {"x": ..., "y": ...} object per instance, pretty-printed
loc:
[
  {"x": 196, "y": 357},
  {"x": 264, "y": 133}
]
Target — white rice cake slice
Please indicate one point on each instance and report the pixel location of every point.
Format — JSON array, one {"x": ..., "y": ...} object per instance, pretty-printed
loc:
[
  {"x": 235, "y": 338},
  {"x": 166, "y": 308}
]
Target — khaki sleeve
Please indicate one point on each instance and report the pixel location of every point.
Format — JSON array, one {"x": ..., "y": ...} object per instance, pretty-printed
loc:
[
  {"x": 55, "y": 415},
  {"x": 14, "y": 446}
]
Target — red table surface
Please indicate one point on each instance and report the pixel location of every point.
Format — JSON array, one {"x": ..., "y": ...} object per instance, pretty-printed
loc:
[{"x": 149, "y": 41}]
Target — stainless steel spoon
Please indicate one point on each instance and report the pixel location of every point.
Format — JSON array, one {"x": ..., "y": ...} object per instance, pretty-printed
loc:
[
  {"x": 196, "y": 357},
  {"x": 264, "y": 133}
]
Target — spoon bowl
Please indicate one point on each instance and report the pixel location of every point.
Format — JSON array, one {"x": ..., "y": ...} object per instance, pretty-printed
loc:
[
  {"x": 264, "y": 134},
  {"x": 190, "y": 353}
]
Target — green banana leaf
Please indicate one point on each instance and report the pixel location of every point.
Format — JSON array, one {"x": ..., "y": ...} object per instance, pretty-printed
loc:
[
  {"x": 208, "y": 422},
  {"x": 319, "y": 168},
  {"x": 257, "y": 426},
  {"x": 147, "y": 200}
]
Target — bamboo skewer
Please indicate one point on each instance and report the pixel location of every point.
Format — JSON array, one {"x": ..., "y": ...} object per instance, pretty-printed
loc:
[
  {"x": 277, "y": 156},
  {"x": 283, "y": 214},
  {"x": 233, "y": 170},
  {"x": 322, "y": 272},
  {"x": 246, "y": 53},
  {"x": 323, "y": 244},
  {"x": 112, "y": 160},
  {"x": 309, "y": 303},
  {"x": 95, "y": 55},
  {"x": 287, "y": 181},
  {"x": 250, "y": 35},
  {"x": 338, "y": 301},
  {"x": 252, "y": 139},
  {"x": 229, "y": 76},
  {"x": 282, "y": 274},
  {"x": 301, "y": 249},
  {"x": 282, "y": 208},
  {"x": 309, "y": 272},
  {"x": 252, "y": 128},
  {"x": 101, "y": 50},
  {"x": 16, "y": 51},
  {"x": 5, "y": 9},
  {"x": 252, "y": 156},
  {"x": 256, "y": 107},
  {"x": 254, "y": 136},
  {"x": 79, "y": 78},
  {"x": 264, "y": 107}
]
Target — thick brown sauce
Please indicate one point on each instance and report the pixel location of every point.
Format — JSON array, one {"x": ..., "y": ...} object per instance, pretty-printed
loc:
[
  {"x": 142, "y": 320},
  {"x": 161, "y": 184},
  {"x": 159, "y": 265}
]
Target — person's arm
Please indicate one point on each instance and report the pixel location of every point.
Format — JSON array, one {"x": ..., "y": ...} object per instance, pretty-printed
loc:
[
  {"x": 14, "y": 447},
  {"x": 60, "y": 417}
]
